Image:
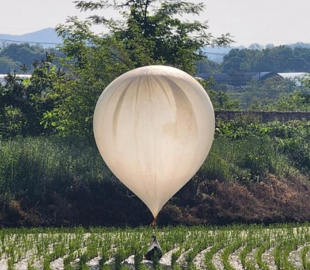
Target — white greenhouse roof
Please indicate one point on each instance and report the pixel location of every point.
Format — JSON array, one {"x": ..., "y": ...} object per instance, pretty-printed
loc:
[
  {"x": 21, "y": 76},
  {"x": 293, "y": 75}
]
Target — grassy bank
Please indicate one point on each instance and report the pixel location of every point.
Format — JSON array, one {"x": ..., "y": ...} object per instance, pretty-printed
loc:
[{"x": 63, "y": 181}]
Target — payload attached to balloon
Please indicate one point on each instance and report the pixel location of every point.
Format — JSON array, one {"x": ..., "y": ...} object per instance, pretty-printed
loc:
[{"x": 154, "y": 127}]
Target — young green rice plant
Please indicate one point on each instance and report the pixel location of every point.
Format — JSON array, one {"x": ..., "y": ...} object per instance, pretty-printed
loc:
[
  {"x": 288, "y": 240},
  {"x": 68, "y": 267},
  {"x": 259, "y": 255},
  {"x": 82, "y": 262},
  {"x": 90, "y": 253},
  {"x": 250, "y": 246},
  {"x": 190, "y": 255},
  {"x": 80, "y": 245},
  {"x": 118, "y": 258},
  {"x": 155, "y": 260},
  {"x": 68, "y": 259},
  {"x": 59, "y": 251},
  {"x": 84, "y": 267},
  {"x": 198, "y": 241},
  {"x": 306, "y": 264},
  {"x": 46, "y": 263},
  {"x": 104, "y": 267},
  {"x": 227, "y": 251},
  {"x": 288, "y": 265},
  {"x": 138, "y": 261},
  {"x": 30, "y": 267},
  {"x": 174, "y": 257},
  {"x": 10, "y": 264},
  {"x": 208, "y": 256},
  {"x": 278, "y": 256}
]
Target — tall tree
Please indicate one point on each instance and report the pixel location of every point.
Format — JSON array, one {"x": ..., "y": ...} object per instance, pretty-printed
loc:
[
  {"x": 153, "y": 33},
  {"x": 150, "y": 32}
]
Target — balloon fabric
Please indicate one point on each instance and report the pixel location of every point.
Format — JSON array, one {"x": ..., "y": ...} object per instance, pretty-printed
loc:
[{"x": 154, "y": 127}]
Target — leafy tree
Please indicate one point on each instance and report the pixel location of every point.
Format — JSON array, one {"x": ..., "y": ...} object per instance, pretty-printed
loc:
[
  {"x": 223, "y": 101},
  {"x": 255, "y": 46},
  {"x": 149, "y": 33},
  {"x": 267, "y": 92},
  {"x": 220, "y": 99},
  {"x": 23, "y": 53},
  {"x": 240, "y": 61},
  {"x": 207, "y": 66},
  {"x": 306, "y": 81},
  {"x": 295, "y": 101},
  {"x": 153, "y": 33},
  {"x": 24, "y": 101},
  {"x": 91, "y": 63},
  {"x": 275, "y": 59},
  {"x": 7, "y": 65}
]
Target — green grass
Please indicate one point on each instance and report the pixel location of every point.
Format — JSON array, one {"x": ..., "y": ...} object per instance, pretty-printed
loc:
[
  {"x": 30, "y": 166},
  {"x": 242, "y": 151},
  {"x": 54, "y": 181}
]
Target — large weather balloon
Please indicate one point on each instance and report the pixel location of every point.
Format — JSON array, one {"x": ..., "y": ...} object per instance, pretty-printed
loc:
[{"x": 154, "y": 127}]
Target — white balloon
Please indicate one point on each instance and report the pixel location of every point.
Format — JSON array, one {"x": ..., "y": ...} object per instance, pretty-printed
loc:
[{"x": 154, "y": 127}]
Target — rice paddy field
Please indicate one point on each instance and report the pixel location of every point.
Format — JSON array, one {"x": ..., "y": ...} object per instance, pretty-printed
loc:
[{"x": 234, "y": 247}]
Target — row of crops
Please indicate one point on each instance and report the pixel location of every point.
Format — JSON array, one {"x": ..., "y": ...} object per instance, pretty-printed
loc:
[{"x": 240, "y": 247}]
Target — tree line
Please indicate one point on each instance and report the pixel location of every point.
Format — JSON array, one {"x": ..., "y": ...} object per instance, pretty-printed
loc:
[
  {"x": 271, "y": 59},
  {"x": 21, "y": 58},
  {"x": 284, "y": 58}
]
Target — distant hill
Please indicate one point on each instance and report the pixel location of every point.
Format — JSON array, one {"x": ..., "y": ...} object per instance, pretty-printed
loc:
[{"x": 47, "y": 37}]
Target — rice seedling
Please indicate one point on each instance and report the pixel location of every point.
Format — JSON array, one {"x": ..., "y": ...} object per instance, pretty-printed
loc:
[{"x": 304, "y": 252}]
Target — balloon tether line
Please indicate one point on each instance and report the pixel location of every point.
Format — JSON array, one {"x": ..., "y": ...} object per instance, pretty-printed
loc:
[{"x": 153, "y": 225}]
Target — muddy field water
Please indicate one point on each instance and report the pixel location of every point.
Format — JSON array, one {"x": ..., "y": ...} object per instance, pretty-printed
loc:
[{"x": 210, "y": 248}]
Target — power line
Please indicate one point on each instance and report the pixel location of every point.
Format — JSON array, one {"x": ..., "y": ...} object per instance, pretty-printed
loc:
[
  {"x": 53, "y": 43},
  {"x": 30, "y": 42}
]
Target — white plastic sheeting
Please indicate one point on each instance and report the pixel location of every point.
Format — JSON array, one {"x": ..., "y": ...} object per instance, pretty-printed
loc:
[
  {"x": 154, "y": 127},
  {"x": 20, "y": 76}
]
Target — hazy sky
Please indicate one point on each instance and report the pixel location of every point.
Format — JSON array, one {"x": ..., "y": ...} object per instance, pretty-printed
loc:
[{"x": 249, "y": 21}]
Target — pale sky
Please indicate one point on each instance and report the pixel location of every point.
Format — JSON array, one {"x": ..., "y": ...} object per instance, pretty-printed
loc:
[{"x": 249, "y": 21}]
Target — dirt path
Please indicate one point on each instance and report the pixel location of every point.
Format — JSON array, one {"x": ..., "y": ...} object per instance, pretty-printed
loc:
[
  {"x": 4, "y": 264},
  {"x": 268, "y": 259},
  {"x": 199, "y": 260},
  {"x": 217, "y": 260},
  {"x": 58, "y": 264},
  {"x": 295, "y": 257},
  {"x": 251, "y": 258},
  {"x": 234, "y": 259},
  {"x": 166, "y": 258}
]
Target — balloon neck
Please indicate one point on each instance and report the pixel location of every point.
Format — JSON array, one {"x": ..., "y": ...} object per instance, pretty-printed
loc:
[{"x": 153, "y": 223}]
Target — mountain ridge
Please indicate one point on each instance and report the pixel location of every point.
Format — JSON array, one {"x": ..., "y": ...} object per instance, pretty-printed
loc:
[{"x": 47, "y": 37}]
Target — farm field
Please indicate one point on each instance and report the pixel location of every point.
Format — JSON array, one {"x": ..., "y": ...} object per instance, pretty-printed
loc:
[{"x": 236, "y": 247}]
